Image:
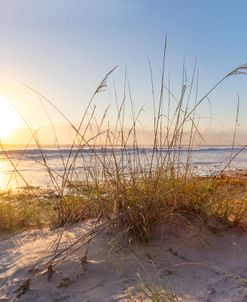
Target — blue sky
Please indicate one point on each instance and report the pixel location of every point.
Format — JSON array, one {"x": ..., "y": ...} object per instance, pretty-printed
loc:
[{"x": 64, "y": 48}]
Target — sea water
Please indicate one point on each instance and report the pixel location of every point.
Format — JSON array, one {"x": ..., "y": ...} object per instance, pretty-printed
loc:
[{"x": 36, "y": 167}]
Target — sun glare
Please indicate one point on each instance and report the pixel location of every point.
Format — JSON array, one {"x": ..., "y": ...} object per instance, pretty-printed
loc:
[{"x": 9, "y": 118}]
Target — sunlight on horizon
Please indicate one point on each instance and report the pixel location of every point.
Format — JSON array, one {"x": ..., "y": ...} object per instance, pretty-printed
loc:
[{"x": 9, "y": 118}]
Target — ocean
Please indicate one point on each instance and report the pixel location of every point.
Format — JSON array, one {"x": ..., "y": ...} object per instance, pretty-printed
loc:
[{"x": 32, "y": 164}]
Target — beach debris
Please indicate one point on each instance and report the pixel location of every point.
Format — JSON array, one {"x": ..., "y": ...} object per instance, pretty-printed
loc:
[
  {"x": 21, "y": 290},
  {"x": 50, "y": 271}
]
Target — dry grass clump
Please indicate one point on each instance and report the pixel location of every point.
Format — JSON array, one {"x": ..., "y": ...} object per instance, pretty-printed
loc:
[
  {"x": 195, "y": 199},
  {"x": 77, "y": 208},
  {"x": 223, "y": 199},
  {"x": 20, "y": 211},
  {"x": 15, "y": 217},
  {"x": 138, "y": 206},
  {"x": 135, "y": 207},
  {"x": 136, "y": 188}
]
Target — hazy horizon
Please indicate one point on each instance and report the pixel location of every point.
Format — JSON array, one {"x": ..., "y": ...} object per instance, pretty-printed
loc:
[{"x": 65, "y": 135}]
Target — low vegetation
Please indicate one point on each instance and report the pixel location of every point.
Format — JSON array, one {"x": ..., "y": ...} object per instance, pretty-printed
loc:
[
  {"x": 133, "y": 189},
  {"x": 22, "y": 211},
  {"x": 136, "y": 208}
]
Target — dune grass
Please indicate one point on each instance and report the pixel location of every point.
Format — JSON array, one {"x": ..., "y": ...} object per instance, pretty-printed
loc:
[
  {"x": 23, "y": 211},
  {"x": 134, "y": 188},
  {"x": 137, "y": 208}
]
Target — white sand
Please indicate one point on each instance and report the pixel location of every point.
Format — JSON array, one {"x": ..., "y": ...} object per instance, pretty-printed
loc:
[{"x": 197, "y": 264}]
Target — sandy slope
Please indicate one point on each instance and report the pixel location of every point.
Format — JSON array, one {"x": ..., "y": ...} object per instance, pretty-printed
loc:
[{"x": 197, "y": 264}]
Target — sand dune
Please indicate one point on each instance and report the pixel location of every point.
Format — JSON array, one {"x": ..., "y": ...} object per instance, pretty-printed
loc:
[{"x": 195, "y": 264}]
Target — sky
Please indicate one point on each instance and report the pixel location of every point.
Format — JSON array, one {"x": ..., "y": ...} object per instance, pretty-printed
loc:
[{"x": 63, "y": 49}]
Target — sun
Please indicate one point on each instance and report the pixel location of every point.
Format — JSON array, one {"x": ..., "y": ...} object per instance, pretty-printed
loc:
[{"x": 9, "y": 118}]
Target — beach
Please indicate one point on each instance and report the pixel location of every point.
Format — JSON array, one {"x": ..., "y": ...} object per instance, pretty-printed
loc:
[
  {"x": 183, "y": 263},
  {"x": 123, "y": 154},
  {"x": 151, "y": 236}
]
